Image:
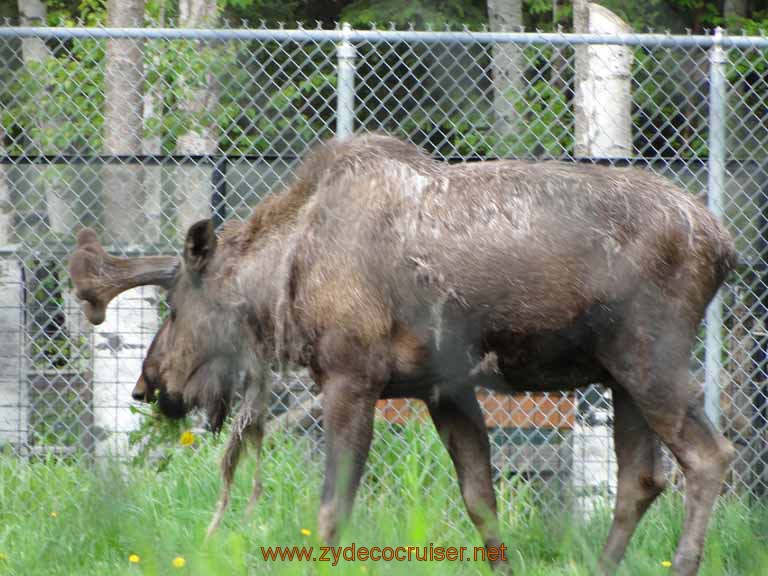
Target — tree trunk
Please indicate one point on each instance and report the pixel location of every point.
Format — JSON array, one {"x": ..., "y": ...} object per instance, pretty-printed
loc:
[
  {"x": 197, "y": 107},
  {"x": 603, "y": 100},
  {"x": 746, "y": 125},
  {"x": 735, "y": 8},
  {"x": 154, "y": 176},
  {"x": 120, "y": 343},
  {"x": 508, "y": 71},
  {"x": 123, "y": 78},
  {"x": 33, "y": 13},
  {"x": 53, "y": 182}
]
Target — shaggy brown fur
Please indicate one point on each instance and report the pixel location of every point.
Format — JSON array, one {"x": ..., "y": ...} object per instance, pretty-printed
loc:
[{"x": 392, "y": 275}]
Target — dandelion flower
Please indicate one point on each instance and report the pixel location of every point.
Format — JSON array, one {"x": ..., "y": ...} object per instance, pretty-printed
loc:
[
  {"x": 179, "y": 562},
  {"x": 187, "y": 438},
  {"x": 306, "y": 532},
  {"x": 666, "y": 563},
  {"x": 54, "y": 514},
  {"x": 134, "y": 559}
]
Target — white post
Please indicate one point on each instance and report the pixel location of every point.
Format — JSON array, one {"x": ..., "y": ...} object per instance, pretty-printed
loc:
[
  {"x": 345, "y": 91},
  {"x": 13, "y": 394},
  {"x": 603, "y": 124},
  {"x": 715, "y": 189},
  {"x": 13, "y": 391},
  {"x": 603, "y": 103},
  {"x": 119, "y": 347}
]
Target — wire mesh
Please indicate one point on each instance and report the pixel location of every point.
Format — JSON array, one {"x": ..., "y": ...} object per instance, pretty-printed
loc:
[{"x": 217, "y": 119}]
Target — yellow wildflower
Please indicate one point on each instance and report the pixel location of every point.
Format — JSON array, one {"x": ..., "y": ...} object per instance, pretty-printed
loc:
[
  {"x": 666, "y": 563},
  {"x": 134, "y": 559},
  {"x": 187, "y": 438},
  {"x": 306, "y": 532},
  {"x": 54, "y": 514},
  {"x": 179, "y": 562}
]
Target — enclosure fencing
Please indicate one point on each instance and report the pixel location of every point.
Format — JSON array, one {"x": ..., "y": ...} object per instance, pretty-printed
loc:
[{"x": 139, "y": 132}]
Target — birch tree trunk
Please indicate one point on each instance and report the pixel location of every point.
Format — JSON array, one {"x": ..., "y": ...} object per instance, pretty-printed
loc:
[
  {"x": 508, "y": 69},
  {"x": 154, "y": 176},
  {"x": 199, "y": 101},
  {"x": 121, "y": 342},
  {"x": 33, "y": 13},
  {"x": 603, "y": 129},
  {"x": 603, "y": 101},
  {"x": 123, "y": 120}
]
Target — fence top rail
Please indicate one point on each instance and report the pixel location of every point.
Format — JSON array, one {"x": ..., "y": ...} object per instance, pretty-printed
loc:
[{"x": 376, "y": 35}]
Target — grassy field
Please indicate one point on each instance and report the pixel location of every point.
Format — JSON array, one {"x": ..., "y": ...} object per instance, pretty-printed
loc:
[{"x": 60, "y": 518}]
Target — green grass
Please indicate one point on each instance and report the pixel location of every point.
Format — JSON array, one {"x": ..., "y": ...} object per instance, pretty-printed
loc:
[{"x": 105, "y": 513}]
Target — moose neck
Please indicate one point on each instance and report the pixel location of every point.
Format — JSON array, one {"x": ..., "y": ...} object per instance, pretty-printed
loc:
[{"x": 254, "y": 252}]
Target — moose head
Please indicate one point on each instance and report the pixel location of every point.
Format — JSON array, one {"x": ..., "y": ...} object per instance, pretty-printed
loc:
[{"x": 195, "y": 359}]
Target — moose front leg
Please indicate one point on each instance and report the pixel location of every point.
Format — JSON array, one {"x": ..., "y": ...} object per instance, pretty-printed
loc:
[
  {"x": 248, "y": 427},
  {"x": 348, "y": 411},
  {"x": 459, "y": 421}
]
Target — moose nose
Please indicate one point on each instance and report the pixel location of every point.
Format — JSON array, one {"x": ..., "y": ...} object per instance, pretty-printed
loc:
[{"x": 140, "y": 390}]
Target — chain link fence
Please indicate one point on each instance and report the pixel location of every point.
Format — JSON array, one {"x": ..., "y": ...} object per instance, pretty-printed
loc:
[{"x": 197, "y": 123}]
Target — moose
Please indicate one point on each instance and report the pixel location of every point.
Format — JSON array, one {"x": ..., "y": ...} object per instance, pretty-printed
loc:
[{"x": 390, "y": 274}]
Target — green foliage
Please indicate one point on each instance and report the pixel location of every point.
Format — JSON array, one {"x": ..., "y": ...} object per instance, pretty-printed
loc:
[
  {"x": 103, "y": 514},
  {"x": 56, "y": 104},
  {"x": 674, "y": 15},
  {"x": 542, "y": 128},
  {"x": 418, "y": 12},
  {"x": 754, "y": 26},
  {"x": 58, "y": 396},
  {"x": 61, "y": 351},
  {"x": 294, "y": 109},
  {"x": 546, "y": 15},
  {"x": 178, "y": 71},
  {"x": 156, "y": 440},
  {"x": 69, "y": 13},
  {"x": 56, "y": 418},
  {"x": 545, "y": 127}
]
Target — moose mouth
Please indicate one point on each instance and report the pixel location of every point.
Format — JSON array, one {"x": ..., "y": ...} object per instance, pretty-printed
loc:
[
  {"x": 207, "y": 387},
  {"x": 171, "y": 404}
]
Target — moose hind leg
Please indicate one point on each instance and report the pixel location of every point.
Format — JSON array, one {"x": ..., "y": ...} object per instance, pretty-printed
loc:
[
  {"x": 460, "y": 423},
  {"x": 650, "y": 361},
  {"x": 640, "y": 476},
  {"x": 705, "y": 456}
]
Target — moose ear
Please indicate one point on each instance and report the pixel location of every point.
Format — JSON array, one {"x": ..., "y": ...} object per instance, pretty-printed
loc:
[{"x": 199, "y": 246}]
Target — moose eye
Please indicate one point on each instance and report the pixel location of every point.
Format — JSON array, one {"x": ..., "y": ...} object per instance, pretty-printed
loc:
[{"x": 170, "y": 308}]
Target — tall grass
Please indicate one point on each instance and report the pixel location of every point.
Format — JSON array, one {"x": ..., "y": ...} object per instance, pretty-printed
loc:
[{"x": 58, "y": 518}]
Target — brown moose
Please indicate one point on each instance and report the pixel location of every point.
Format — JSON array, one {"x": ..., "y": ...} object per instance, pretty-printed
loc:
[{"x": 392, "y": 275}]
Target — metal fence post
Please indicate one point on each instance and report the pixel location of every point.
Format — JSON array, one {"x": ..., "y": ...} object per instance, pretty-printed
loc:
[
  {"x": 219, "y": 191},
  {"x": 345, "y": 90},
  {"x": 715, "y": 192}
]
